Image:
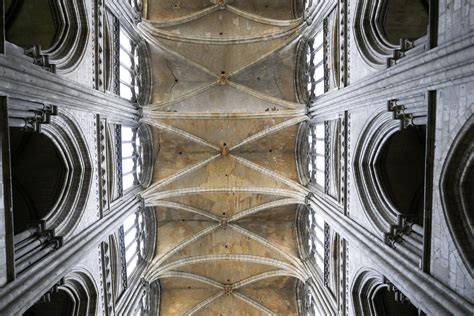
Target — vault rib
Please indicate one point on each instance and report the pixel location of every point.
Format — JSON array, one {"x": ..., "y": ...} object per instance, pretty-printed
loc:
[
  {"x": 265, "y": 97},
  {"x": 186, "y": 208},
  {"x": 147, "y": 27},
  {"x": 179, "y": 175},
  {"x": 291, "y": 41},
  {"x": 257, "y": 190},
  {"x": 181, "y": 133},
  {"x": 191, "y": 276},
  {"x": 269, "y": 131},
  {"x": 157, "y": 114},
  {"x": 203, "y": 304},
  {"x": 254, "y": 303},
  {"x": 184, "y": 19},
  {"x": 183, "y": 244},
  {"x": 143, "y": 30},
  {"x": 263, "y": 207},
  {"x": 298, "y": 266},
  {"x": 262, "y": 276},
  {"x": 298, "y": 187},
  {"x": 261, "y": 19},
  {"x": 150, "y": 109},
  {"x": 230, "y": 257}
]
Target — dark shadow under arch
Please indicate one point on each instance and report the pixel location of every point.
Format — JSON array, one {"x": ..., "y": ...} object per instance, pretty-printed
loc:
[{"x": 457, "y": 193}]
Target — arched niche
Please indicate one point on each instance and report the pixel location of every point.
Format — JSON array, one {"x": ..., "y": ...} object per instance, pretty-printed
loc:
[
  {"x": 404, "y": 19},
  {"x": 374, "y": 295},
  {"x": 457, "y": 193},
  {"x": 389, "y": 172},
  {"x": 51, "y": 176},
  {"x": 382, "y": 27},
  {"x": 75, "y": 296},
  {"x": 57, "y": 29},
  {"x": 39, "y": 173},
  {"x": 400, "y": 169}
]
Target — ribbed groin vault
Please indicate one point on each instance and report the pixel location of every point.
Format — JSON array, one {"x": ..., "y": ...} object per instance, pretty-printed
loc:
[{"x": 226, "y": 191}]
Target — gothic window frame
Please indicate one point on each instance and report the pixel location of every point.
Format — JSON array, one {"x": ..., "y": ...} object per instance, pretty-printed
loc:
[
  {"x": 135, "y": 161},
  {"x": 130, "y": 57},
  {"x": 129, "y": 66},
  {"x": 316, "y": 139},
  {"x": 132, "y": 237},
  {"x": 315, "y": 74},
  {"x": 131, "y": 157},
  {"x": 313, "y": 238}
]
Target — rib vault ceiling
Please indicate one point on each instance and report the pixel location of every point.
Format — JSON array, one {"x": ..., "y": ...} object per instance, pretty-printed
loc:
[{"x": 225, "y": 187}]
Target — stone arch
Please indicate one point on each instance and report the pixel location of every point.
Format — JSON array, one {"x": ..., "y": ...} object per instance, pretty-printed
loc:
[
  {"x": 144, "y": 76},
  {"x": 302, "y": 150},
  {"x": 383, "y": 27},
  {"x": 457, "y": 192},
  {"x": 302, "y": 95},
  {"x": 146, "y": 139},
  {"x": 118, "y": 285},
  {"x": 149, "y": 216},
  {"x": 65, "y": 162},
  {"x": 60, "y": 33},
  {"x": 66, "y": 133},
  {"x": 76, "y": 295},
  {"x": 373, "y": 294},
  {"x": 39, "y": 175},
  {"x": 374, "y": 169}
]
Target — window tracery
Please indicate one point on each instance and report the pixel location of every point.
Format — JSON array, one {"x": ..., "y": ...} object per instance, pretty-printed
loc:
[
  {"x": 317, "y": 154},
  {"x": 134, "y": 234},
  {"x": 129, "y": 67},
  {"x": 315, "y": 238},
  {"x": 315, "y": 72},
  {"x": 132, "y": 153}
]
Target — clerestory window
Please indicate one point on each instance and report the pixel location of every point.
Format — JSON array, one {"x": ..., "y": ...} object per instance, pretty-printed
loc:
[
  {"x": 317, "y": 154},
  {"x": 129, "y": 83},
  {"x": 316, "y": 238},
  {"x": 134, "y": 233},
  {"x": 315, "y": 73},
  {"x": 132, "y": 157}
]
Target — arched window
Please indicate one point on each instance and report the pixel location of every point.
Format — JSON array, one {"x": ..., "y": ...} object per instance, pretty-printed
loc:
[
  {"x": 315, "y": 71},
  {"x": 132, "y": 153},
  {"x": 129, "y": 73},
  {"x": 132, "y": 234},
  {"x": 316, "y": 152},
  {"x": 135, "y": 4},
  {"x": 315, "y": 238}
]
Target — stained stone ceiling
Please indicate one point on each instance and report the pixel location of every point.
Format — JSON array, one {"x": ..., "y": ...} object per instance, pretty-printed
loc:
[{"x": 225, "y": 185}]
